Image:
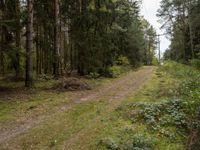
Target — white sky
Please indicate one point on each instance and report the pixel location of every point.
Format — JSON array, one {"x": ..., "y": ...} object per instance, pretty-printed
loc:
[{"x": 149, "y": 11}]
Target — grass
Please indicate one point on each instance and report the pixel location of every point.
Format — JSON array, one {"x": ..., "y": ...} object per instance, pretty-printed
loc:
[
  {"x": 121, "y": 129},
  {"x": 18, "y": 102},
  {"x": 96, "y": 124}
]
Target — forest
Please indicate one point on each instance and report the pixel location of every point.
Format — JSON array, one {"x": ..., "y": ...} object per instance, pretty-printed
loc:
[
  {"x": 93, "y": 75},
  {"x": 62, "y": 37}
]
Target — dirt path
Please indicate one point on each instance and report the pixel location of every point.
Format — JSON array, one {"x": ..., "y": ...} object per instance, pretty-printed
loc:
[{"x": 114, "y": 91}]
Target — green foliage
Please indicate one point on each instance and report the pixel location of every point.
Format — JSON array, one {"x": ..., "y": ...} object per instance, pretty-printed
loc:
[
  {"x": 163, "y": 117},
  {"x": 94, "y": 75},
  {"x": 135, "y": 142},
  {"x": 189, "y": 92},
  {"x": 175, "y": 119},
  {"x": 139, "y": 142},
  {"x": 155, "y": 61},
  {"x": 184, "y": 36},
  {"x": 122, "y": 61},
  {"x": 195, "y": 63},
  {"x": 109, "y": 143},
  {"x": 115, "y": 71},
  {"x": 93, "y": 35}
]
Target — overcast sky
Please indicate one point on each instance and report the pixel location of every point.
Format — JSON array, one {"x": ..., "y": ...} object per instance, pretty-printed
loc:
[{"x": 149, "y": 11}]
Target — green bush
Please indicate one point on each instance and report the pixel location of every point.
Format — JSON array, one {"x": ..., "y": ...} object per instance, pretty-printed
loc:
[
  {"x": 94, "y": 75},
  {"x": 122, "y": 61},
  {"x": 109, "y": 143},
  {"x": 135, "y": 142},
  {"x": 195, "y": 63},
  {"x": 115, "y": 71},
  {"x": 139, "y": 142}
]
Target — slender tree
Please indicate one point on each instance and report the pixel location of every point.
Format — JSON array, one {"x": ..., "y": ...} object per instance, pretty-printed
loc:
[
  {"x": 29, "y": 45},
  {"x": 17, "y": 38},
  {"x": 56, "y": 39}
]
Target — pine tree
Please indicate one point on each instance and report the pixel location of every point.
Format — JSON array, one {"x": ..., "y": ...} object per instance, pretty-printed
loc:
[{"x": 29, "y": 45}]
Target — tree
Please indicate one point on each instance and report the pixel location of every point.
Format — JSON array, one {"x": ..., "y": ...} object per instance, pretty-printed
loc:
[
  {"x": 180, "y": 21},
  {"x": 83, "y": 36},
  {"x": 56, "y": 39},
  {"x": 29, "y": 45},
  {"x": 17, "y": 38}
]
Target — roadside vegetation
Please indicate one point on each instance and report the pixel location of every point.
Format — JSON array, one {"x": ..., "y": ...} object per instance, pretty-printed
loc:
[
  {"x": 162, "y": 114},
  {"x": 165, "y": 116}
]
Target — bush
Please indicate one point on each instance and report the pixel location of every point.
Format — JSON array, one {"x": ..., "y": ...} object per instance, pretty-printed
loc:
[
  {"x": 94, "y": 75},
  {"x": 159, "y": 116},
  {"x": 135, "y": 142},
  {"x": 139, "y": 142},
  {"x": 109, "y": 143},
  {"x": 115, "y": 71},
  {"x": 195, "y": 63},
  {"x": 122, "y": 61}
]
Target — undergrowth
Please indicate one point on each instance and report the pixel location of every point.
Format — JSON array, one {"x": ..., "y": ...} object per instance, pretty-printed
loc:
[{"x": 173, "y": 117}]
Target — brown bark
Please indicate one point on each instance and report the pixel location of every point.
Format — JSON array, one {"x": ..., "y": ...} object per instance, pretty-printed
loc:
[
  {"x": 1, "y": 53},
  {"x": 18, "y": 39},
  {"x": 29, "y": 45},
  {"x": 37, "y": 49},
  {"x": 2, "y": 43},
  {"x": 56, "y": 39}
]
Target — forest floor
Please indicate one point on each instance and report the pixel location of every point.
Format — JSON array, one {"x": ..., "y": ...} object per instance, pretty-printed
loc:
[
  {"x": 22, "y": 111},
  {"x": 90, "y": 119}
]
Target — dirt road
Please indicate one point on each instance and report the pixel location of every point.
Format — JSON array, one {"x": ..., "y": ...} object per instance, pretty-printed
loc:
[{"x": 114, "y": 91}]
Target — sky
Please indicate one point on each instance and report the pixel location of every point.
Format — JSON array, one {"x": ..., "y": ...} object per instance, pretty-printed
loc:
[{"x": 149, "y": 11}]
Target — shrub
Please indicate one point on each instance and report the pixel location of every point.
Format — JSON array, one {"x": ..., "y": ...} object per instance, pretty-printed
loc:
[
  {"x": 135, "y": 142},
  {"x": 115, "y": 71},
  {"x": 139, "y": 142},
  {"x": 123, "y": 61},
  {"x": 94, "y": 75},
  {"x": 109, "y": 143},
  {"x": 164, "y": 114},
  {"x": 195, "y": 63}
]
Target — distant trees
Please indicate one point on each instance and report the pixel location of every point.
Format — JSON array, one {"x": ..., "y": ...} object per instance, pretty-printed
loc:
[
  {"x": 181, "y": 20},
  {"x": 150, "y": 42},
  {"x": 72, "y": 35}
]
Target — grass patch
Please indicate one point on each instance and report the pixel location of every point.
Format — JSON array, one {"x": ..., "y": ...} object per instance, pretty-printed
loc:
[
  {"x": 113, "y": 125},
  {"x": 125, "y": 132}
]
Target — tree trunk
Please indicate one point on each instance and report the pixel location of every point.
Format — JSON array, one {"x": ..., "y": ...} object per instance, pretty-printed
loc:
[
  {"x": 29, "y": 45},
  {"x": 1, "y": 53},
  {"x": 56, "y": 39},
  {"x": 2, "y": 43},
  {"x": 37, "y": 49},
  {"x": 18, "y": 39}
]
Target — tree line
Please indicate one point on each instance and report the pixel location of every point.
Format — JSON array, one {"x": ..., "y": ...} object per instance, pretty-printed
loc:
[
  {"x": 181, "y": 20},
  {"x": 64, "y": 36}
]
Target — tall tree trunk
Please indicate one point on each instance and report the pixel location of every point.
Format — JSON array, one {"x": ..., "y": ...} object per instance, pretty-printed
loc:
[
  {"x": 18, "y": 39},
  {"x": 191, "y": 40},
  {"x": 37, "y": 49},
  {"x": 80, "y": 48},
  {"x": 29, "y": 45},
  {"x": 56, "y": 39},
  {"x": 2, "y": 42},
  {"x": 1, "y": 52}
]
